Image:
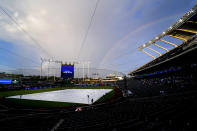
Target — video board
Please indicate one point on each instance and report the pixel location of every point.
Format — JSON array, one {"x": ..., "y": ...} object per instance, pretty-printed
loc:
[{"x": 67, "y": 71}]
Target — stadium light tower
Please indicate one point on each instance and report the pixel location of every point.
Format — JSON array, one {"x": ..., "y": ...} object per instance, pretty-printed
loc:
[
  {"x": 88, "y": 69},
  {"x": 42, "y": 60},
  {"x": 48, "y": 68},
  {"x": 83, "y": 71}
]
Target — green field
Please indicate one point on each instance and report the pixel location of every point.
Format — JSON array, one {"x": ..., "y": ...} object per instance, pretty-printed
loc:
[
  {"x": 42, "y": 104},
  {"x": 49, "y": 104},
  {"x": 106, "y": 97}
]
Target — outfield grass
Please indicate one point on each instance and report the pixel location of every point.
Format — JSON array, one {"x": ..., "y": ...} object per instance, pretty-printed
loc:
[
  {"x": 106, "y": 96},
  {"x": 42, "y": 104}
]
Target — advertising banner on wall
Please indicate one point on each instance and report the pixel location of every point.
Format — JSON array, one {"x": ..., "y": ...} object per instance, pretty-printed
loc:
[{"x": 5, "y": 81}]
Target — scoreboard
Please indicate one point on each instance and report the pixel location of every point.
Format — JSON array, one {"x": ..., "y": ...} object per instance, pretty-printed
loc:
[{"x": 67, "y": 71}]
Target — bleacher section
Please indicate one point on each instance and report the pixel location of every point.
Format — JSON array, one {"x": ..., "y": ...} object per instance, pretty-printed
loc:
[
  {"x": 184, "y": 47},
  {"x": 170, "y": 112}
]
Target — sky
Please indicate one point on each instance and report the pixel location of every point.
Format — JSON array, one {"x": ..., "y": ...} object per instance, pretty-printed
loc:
[{"x": 56, "y": 29}]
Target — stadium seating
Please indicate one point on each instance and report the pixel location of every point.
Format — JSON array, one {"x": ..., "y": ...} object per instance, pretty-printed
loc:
[{"x": 147, "y": 113}]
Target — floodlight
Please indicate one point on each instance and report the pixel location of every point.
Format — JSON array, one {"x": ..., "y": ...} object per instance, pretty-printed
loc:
[
  {"x": 180, "y": 20},
  {"x": 157, "y": 38}
]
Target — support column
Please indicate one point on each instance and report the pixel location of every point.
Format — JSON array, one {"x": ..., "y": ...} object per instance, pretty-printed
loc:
[
  {"x": 188, "y": 30},
  {"x": 169, "y": 43},
  {"x": 154, "y": 50},
  {"x": 161, "y": 47},
  {"x": 149, "y": 54},
  {"x": 178, "y": 37}
]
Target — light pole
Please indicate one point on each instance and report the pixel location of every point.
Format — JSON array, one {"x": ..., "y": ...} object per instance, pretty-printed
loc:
[
  {"x": 88, "y": 69},
  {"x": 41, "y": 68},
  {"x": 54, "y": 73},
  {"x": 48, "y": 71},
  {"x": 83, "y": 71},
  {"x": 78, "y": 73}
]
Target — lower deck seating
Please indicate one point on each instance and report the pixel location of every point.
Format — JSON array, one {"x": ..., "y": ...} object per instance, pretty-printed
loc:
[{"x": 161, "y": 113}]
